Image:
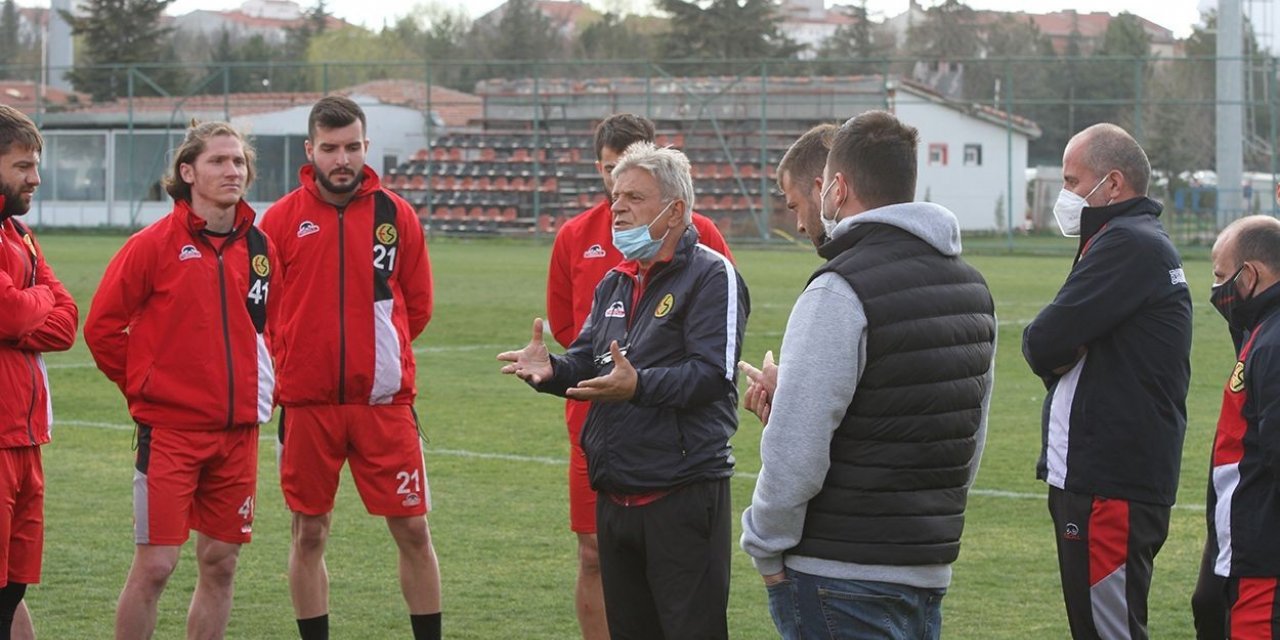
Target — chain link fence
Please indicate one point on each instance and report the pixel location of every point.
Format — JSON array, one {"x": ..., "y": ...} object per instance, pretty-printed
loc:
[{"x": 505, "y": 148}]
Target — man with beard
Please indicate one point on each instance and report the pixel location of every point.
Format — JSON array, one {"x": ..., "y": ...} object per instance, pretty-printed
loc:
[
  {"x": 36, "y": 315},
  {"x": 178, "y": 323},
  {"x": 356, "y": 291}
]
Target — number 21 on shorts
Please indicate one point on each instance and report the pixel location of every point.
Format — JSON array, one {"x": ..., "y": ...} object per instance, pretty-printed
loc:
[{"x": 410, "y": 487}]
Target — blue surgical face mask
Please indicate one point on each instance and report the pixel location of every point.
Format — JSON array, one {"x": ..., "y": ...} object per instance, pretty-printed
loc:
[{"x": 636, "y": 243}]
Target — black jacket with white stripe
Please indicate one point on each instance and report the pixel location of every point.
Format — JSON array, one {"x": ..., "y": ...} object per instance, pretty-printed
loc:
[
  {"x": 1119, "y": 330},
  {"x": 681, "y": 326}
]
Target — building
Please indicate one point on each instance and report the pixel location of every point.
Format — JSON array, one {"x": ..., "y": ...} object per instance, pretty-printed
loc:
[
  {"x": 271, "y": 19},
  {"x": 103, "y": 163}
]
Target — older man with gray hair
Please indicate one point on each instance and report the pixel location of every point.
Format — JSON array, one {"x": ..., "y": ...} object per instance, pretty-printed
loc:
[
  {"x": 1113, "y": 349},
  {"x": 656, "y": 359}
]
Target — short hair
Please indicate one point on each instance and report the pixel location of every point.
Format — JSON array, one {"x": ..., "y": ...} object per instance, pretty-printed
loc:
[
  {"x": 197, "y": 140},
  {"x": 668, "y": 166},
  {"x": 1257, "y": 239},
  {"x": 877, "y": 154},
  {"x": 17, "y": 129},
  {"x": 1109, "y": 148},
  {"x": 334, "y": 112},
  {"x": 621, "y": 130},
  {"x": 807, "y": 155}
]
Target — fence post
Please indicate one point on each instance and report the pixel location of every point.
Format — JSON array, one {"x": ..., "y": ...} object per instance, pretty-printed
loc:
[
  {"x": 537, "y": 124},
  {"x": 1271, "y": 107},
  {"x": 1008, "y": 132},
  {"x": 132, "y": 210},
  {"x": 765, "y": 201},
  {"x": 1138, "y": 77}
]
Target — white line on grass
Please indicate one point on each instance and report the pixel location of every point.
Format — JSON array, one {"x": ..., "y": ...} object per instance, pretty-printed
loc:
[{"x": 515, "y": 457}]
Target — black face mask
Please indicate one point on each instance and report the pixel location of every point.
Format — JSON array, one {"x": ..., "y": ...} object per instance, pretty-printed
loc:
[{"x": 1239, "y": 312}]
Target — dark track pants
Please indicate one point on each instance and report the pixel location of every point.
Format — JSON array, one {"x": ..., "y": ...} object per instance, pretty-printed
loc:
[
  {"x": 1252, "y": 613},
  {"x": 1106, "y": 547},
  {"x": 665, "y": 565}
]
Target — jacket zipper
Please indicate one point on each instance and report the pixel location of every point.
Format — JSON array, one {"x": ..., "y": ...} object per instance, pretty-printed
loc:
[
  {"x": 636, "y": 297},
  {"x": 342, "y": 306}
]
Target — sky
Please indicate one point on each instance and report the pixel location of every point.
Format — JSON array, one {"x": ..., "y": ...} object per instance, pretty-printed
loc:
[{"x": 1178, "y": 15}]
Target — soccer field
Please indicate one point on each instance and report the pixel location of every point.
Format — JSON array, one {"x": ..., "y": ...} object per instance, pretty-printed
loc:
[{"x": 496, "y": 459}]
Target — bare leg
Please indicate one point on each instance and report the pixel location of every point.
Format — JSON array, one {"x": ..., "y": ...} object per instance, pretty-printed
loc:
[
  {"x": 419, "y": 572},
  {"x": 22, "y": 628},
  {"x": 589, "y": 596},
  {"x": 308, "y": 577},
  {"x": 211, "y": 603},
  {"x": 136, "y": 611}
]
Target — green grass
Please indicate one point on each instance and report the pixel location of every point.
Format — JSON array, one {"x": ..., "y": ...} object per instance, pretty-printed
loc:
[{"x": 500, "y": 524}]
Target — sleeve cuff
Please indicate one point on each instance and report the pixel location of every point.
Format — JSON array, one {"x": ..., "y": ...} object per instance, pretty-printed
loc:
[{"x": 769, "y": 566}]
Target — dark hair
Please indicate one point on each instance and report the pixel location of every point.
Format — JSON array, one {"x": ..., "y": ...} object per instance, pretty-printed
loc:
[
  {"x": 17, "y": 128},
  {"x": 1110, "y": 148},
  {"x": 877, "y": 154},
  {"x": 807, "y": 155},
  {"x": 197, "y": 140},
  {"x": 1258, "y": 240},
  {"x": 622, "y": 130},
  {"x": 334, "y": 112}
]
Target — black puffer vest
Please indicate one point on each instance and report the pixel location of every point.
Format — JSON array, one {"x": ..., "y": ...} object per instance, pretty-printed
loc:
[{"x": 896, "y": 490}]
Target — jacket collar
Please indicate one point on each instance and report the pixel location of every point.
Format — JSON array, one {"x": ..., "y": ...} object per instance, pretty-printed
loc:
[
  {"x": 195, "y": 225},
  {"x": 369, "y": 182},
  {"x": 1093, "y": 219}
]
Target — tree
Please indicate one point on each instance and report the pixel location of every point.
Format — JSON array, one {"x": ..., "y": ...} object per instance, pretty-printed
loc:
[
  {"x": 363, "y": 55},
  {"x": 616, "y": 37},
  {"x": 10, "y": 44},
  {"x": 949, "y": 31},
  {"x": 122, "y": 32},
  {"x": 1110, "y": 78},
  {"x": 523, "y": 32},
  {"x": 725, "y": 30},
  {"x": 297, "y": 45},
  {"x": 861, "y": 41}
]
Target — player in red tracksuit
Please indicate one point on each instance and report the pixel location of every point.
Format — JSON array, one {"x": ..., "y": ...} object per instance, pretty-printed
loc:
[
  {"x": 37, "y": 315},
  {"x": 178, "y": 324},
  {"x": 583, "y": 253},
  {"x": 357, "y": 291}
]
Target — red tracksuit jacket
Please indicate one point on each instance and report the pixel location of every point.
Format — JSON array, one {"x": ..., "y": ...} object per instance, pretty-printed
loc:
[
  {"x": 178, "y": 323},
  {"x": 357, "y": 291},
  {"x": 36, "y": 315}
]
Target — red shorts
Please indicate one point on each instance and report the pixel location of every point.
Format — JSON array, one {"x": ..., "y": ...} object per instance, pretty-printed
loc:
[
  {"x": 188, "y": 479},
  {"x": 582, "y": 499},
  {"x": 380, "y": 441},
  {"x": 21, "y": 515}
]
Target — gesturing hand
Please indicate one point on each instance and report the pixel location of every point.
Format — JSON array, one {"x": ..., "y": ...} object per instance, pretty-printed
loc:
[
  {"x": 618, "y": 385},
  {"x": 758, "y": 398},
  {"x": 533, "y": 362}
]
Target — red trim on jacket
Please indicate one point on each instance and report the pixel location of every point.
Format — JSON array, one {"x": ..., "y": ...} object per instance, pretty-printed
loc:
[
  {"x": 38, "y": 316},
  {"x": 170, "y": 308},
  {"x": 326, "y": 340}
]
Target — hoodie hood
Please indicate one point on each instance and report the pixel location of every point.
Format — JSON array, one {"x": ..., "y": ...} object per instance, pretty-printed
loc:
[{"x": 935, "y": 224}]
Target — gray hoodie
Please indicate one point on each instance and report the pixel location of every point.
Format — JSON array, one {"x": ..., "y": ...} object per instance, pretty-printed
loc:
[{"x": 823, "y": 355}]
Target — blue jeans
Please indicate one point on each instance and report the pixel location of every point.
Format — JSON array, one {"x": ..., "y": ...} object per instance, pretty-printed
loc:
[{"x": 809, "y": 607}]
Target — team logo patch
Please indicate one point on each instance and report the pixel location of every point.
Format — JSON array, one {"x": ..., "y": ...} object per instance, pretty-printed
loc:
[
  {"x": 1176, "y": 276},
  {"x": 188, "y": 252},
  {"x": 386, "y": 233},
  {"x": 411, "y": 500},
  {"x": 595, "y": 251},
  {"x": 307, "y": 228},
  {"x": 1236, "y": 385},
  {"x": 616, "y": 310},
  {"x": 1072, "y": 532},
  {"x": 246, "y": 528},
  {"x": 261, "y": 266},
  {"x": 664, "y": 307}
]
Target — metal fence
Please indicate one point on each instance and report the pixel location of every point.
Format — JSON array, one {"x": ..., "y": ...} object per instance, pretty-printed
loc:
[{"x": 484, "y": 147}]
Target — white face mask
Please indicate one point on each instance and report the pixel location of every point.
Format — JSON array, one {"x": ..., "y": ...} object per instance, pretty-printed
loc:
[
  {"x": 828, "y": 226},
  {"x": 1070, "y": 206}
]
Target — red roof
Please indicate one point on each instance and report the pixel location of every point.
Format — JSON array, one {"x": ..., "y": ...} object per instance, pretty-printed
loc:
[{"x": 26, "y": 97}]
